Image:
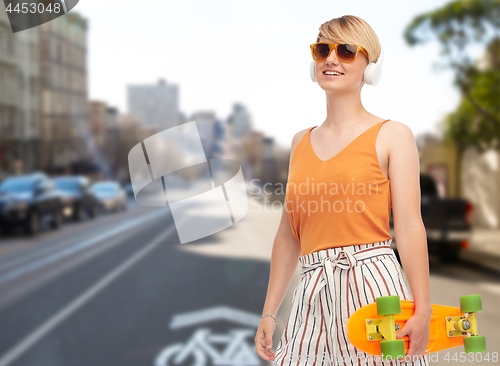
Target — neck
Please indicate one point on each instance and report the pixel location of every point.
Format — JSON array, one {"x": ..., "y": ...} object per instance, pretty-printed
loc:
[{"x": 344, "y": 109}]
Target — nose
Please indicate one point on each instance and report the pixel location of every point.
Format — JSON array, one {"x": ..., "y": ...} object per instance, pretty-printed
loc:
[{"x": 332, "y": 58}]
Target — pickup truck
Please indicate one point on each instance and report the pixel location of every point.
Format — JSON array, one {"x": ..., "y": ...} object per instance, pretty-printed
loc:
[{"x": 447, "y": 221}]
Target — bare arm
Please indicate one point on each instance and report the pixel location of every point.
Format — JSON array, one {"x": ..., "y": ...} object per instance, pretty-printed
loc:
[
  {"x": 404, "y": 173},
  {"x": 285, "y": 254},
  {"x": 284, "y": 260}
]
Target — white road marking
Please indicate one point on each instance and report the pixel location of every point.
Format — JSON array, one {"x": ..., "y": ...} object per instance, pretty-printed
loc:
[
  {"x": 61, "y": 253},
  {"x": 45, "y": 245}
]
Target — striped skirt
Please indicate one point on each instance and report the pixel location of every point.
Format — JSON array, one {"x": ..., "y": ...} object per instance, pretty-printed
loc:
[{"x": 335, "y": 283}]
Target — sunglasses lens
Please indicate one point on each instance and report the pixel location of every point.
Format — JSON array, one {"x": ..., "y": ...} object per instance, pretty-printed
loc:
[
  {"x": 346, "y": 52},
  {"x": 321, "y": 51}
]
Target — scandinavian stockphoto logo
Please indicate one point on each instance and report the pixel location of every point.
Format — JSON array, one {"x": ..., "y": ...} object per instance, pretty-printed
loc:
[
  {"x": 26, "y": 14},
  {"x": 170, "y": 168}
]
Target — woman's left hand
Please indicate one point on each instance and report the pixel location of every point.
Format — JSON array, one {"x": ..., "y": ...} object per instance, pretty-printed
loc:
[{"x": 417, "y": 330}]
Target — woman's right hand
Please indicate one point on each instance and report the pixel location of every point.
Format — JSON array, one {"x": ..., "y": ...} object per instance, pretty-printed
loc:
[{"x": 264, "y": 338}]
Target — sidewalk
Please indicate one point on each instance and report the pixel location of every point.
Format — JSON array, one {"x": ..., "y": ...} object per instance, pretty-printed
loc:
[
  {"x": 486, "y": 241},
  {"x": 484, "y": 249}
]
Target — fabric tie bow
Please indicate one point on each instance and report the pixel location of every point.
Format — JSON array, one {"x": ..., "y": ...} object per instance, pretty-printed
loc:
[{"x": 319, "y": 278}]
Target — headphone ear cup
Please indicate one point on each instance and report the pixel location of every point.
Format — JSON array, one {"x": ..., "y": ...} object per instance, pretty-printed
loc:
[
  {"x": 312, "y": 71},
  {"x": 369, "y": 73},
  {"x": 376, "y": 74},
  {"x": 373, "y": 71}
]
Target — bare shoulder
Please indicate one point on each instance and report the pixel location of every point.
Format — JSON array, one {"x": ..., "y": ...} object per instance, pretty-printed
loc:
[
  {"x": 396, "y": 133},
  {"x": 397, "y": 129}
]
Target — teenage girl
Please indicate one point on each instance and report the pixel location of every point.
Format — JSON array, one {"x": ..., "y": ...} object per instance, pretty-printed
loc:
[{"x": 344, "y": 177}]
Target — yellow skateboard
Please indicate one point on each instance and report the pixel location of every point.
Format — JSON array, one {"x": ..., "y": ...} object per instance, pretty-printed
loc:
[{"x": 372, "y": 329}]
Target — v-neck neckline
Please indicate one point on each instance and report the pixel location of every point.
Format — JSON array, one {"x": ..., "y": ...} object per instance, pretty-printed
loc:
[{"x": 341, "y": 151}]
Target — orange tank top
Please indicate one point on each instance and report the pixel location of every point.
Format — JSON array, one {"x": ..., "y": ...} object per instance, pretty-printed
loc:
[{"x": 343, "y": 201}]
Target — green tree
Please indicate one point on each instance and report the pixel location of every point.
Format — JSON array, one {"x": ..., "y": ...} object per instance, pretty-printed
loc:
[{"x": 458, "y": 26}]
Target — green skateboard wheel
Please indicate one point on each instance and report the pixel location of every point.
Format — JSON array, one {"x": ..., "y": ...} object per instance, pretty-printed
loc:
[
  {"x": 475, "y": 344},
  {"x": 388, "y": 305},
  {"x": 394, "y": 349},
  {"x": 470, "y": 304}
]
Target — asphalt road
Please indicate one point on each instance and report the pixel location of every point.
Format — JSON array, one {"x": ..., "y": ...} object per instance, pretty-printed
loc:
[{"x": 118, "y": 290}]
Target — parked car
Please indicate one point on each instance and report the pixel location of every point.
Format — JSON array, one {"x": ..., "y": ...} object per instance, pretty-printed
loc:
[
  {"x": 30, "y": 201},
  {"x": 110, "y": 195},
  {"x": 447, "y": 221},
  {"x": 83, "y": 200}
]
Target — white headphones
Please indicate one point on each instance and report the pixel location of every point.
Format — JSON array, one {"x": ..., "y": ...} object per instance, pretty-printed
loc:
[{"x": 372, "y": 74}]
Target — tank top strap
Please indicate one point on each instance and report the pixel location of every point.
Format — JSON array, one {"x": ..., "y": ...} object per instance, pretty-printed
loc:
[
  {"x": 377, "y": 129},
  {"x": 304, "y": 141},
  {"x": 371, "y": 149},
  {"x": 301, "y": 151},
  {"x": 369, "y": 135},
  {"x": 365, "y": 143}
]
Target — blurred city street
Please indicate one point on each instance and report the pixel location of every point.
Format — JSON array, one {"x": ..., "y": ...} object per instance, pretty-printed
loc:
[{"x": 122, "y": 290}]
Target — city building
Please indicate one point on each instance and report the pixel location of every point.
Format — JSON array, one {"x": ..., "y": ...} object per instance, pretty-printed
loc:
[
  {"x": 206, "y": 124},
  {"x": 155, "y": 105},
  {"x": 239, "y": 121},
  {"x": 19, "y": 100}
]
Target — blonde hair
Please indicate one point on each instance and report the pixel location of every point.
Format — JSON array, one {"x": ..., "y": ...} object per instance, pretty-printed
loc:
[{"x": 352, "y": 30}]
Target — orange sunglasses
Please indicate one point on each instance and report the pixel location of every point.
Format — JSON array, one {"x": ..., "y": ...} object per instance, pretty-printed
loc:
[{"x": 345, "y": 52}]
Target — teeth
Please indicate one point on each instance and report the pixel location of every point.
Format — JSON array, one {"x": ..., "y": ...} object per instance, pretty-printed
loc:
[{"x": 331, "y": 73}]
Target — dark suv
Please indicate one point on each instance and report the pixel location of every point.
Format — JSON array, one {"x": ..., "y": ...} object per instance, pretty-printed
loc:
[{"x": 30, "y": 200}]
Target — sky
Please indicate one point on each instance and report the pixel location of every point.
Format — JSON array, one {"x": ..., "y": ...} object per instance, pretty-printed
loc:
[{"x": 257, "y": 53}]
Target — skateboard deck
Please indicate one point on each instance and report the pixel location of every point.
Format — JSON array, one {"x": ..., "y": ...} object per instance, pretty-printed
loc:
[{"x": 366, "y": 328}]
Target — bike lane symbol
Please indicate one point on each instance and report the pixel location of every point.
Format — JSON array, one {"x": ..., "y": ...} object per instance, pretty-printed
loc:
[
  {"x": 234, "y": 348},
  {"x": 201, "y": 348}
]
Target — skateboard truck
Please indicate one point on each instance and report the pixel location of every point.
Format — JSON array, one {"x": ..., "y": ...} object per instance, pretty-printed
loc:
[
  {"x": 384, "y": 329},
  {"x": 466, "y": 325},
  {"x": 380, "y": 329},
  {"x": 459, "y": 326}
]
